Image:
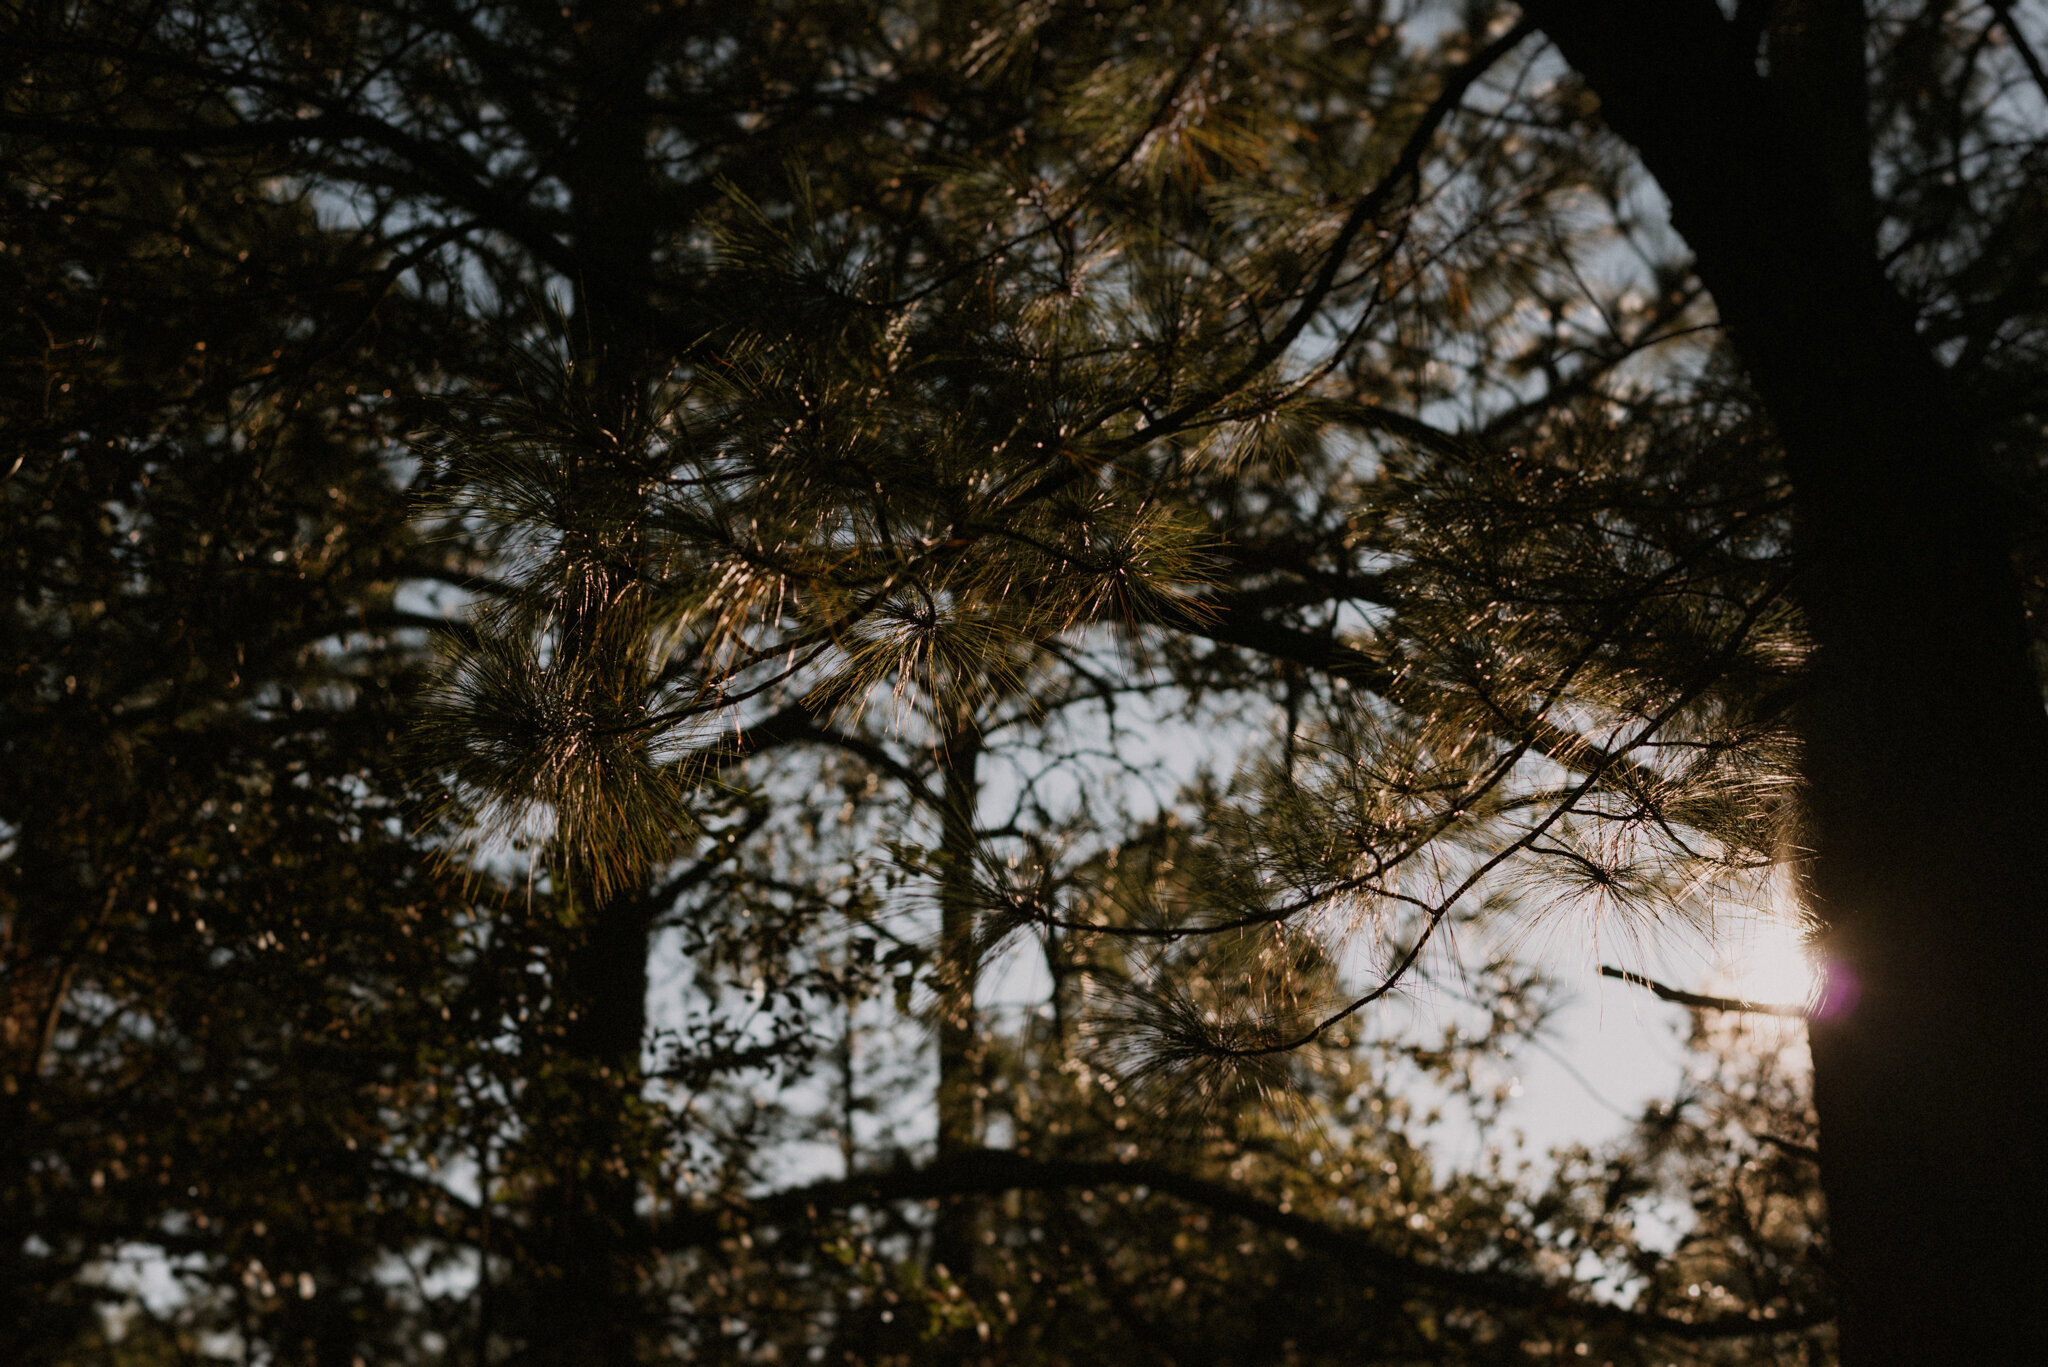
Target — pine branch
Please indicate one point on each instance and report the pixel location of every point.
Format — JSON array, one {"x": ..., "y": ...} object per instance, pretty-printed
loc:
[
  {"x": 1224, "y": 622},
  {"x": 1406, "y": 169},
  {"x": 443, "y": 172},
  {"x": 989, "y": 1172}
]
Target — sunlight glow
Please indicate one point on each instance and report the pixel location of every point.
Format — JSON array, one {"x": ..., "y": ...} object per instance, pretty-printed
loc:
[{"x": 1769, "y": 962}]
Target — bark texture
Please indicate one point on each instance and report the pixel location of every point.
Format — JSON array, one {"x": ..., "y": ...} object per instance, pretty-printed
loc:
[{"x": 1925, "y": 739}]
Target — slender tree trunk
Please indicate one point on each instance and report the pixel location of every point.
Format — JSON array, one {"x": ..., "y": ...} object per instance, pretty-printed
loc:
[
  {"x": 960, "y": 1045},
  {"x": 1926, "y": 744}
]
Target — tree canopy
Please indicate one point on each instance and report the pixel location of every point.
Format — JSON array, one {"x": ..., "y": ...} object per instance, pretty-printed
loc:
[{"x": 817, "y": 681}]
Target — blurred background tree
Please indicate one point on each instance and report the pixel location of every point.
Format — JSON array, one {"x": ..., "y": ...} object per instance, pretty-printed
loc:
[{"x": 803, "y": 682}]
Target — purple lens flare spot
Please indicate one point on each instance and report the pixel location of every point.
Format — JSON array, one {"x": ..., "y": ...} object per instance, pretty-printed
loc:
[{"x": 1839, "y": 991}]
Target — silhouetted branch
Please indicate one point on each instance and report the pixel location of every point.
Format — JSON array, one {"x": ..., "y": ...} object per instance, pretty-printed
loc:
[
  {"x": 988, "y": 1172},
  {"x": 2032, "y": 59},
  {"x": 1695, "y": 999},
  {"x": 1792, "y": 1147}
]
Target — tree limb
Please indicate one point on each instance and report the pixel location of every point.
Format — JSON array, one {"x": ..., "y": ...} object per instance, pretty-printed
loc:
[
  {"x": 987, "y": 1172},
  {"x": 1705, "y": 1003}
]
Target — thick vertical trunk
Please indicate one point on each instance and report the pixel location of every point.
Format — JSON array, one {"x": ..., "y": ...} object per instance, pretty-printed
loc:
[
  {"x": 585, "y": 1309},
  {"x": 45, "y": 922},
  {"x": 1926, "y": 745},
  {"x": 584, "y": 1302},
  {"x": 22, "y": 1014},
  {"x": 611, "y": 208}
]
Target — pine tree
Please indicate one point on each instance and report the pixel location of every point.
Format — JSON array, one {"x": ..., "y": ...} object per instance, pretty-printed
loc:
[
  {"x": 225, "y": 957},
  {"x": 943, "y": 408}
]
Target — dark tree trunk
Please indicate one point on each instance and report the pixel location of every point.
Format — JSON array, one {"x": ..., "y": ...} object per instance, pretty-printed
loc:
[
  {"x": 960, "y": 1049},
  {"x": 1926, "y": 745},
  {"x": 585, "y": 1309},
  {"x": 584, "y": 1303}
]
